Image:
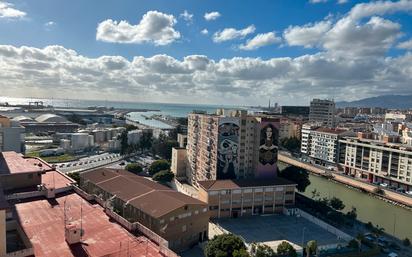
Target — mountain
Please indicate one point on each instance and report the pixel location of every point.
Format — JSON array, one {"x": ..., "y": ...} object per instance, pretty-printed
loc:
[{"x": 384, "y": 101}]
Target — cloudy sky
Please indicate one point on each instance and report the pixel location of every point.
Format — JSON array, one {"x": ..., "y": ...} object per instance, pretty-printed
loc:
[{"x": 220, "y": 52}]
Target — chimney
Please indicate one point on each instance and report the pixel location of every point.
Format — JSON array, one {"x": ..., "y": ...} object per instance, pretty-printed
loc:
[{"x": 72, "y": 234}]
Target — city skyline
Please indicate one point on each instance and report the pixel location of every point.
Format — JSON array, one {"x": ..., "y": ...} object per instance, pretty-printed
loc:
[{"x": 210, "y": 53}]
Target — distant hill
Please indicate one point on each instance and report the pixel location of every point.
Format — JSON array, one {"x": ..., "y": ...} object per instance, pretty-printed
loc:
[{"x": 384, "y": 101}]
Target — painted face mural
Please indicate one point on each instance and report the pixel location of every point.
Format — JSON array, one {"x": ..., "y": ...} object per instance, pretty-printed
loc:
[
  {"x": 268, "y": 149},
  {"x": 228, "y": 150}
]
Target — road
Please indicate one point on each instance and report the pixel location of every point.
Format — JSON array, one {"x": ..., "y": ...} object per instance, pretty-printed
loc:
[{"x": 111, "y": 160}]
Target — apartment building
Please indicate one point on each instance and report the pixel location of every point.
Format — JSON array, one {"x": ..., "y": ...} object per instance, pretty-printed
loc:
[
  {"x": 305, "y": 137},
  {"x": 322, "y": 112},
  {"x": 176, "y": 217},
  {"x": 231, "y": 145},
  {"x": 179, "y": 162},
  {"x": 324, "y": 145},
  {"x": 11, "y": 135},
  {"x": 237, "y": 198},
  {"x": 377, "y": 161}
]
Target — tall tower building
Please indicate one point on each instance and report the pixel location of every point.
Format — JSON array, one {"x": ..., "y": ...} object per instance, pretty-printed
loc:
[
  {"x": 231, "y": 145},
  {"x": 322, "y": 112}
]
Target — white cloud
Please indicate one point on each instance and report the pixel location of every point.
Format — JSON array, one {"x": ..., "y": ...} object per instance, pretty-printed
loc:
[
  {"x": 7, "y": 10},
  {"x": 342, "y": 1},
  {"x": 188, "y": 17},
  {"x": 405, "y": 45},
  {"x": 231, "y": 33},
  {"x": 49, "y": 25},
  {"x": 261, "y": 40},
  {"x": 211, "y": 16},
  {"x": 155, "y": 27},
  {"x": 359, "y": 33},
  {"x": 308, "y": 35},
  {"x": 56, "y": 71},
  {"x": 379, "y": 8},
  {"x": 204, "y": 31}
]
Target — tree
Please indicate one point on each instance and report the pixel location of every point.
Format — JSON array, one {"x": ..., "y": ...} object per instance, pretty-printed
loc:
[
  {"x": 297, "y": 175},
  {"x": 163, "y": 146},
  {"x": 311, "y": 247},
  {"x": 134, "y": 168},
  {"x": 225, "y": 245},
  {"x": 163, "y": 176},
  {"x": 292, "y": 143},
  {"x": 262, "y": 250},
  {"x": 158, "y": 165},
  {"x": 352, "y": 214},
  {"x": 286, "y": 249},
  {"x": 124, "y": 146},
  {"x": 145, "y": 141},
  {"x": 75, "y": 176},
  {"x": 336, "y": 204},
  {"x": 354, "y": 244},
  {"x": 406, "y": 242}
]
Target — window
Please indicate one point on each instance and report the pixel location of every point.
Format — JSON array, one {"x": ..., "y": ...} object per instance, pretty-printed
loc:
[
  {"x": 214, "y": 207},
  {"x": 213, "y": 193},
  {"x": 184, "y": 228},
  {"x": 269, "y": 189},
  {"x": 172, "y": 218},
  {"x": 162, "y": 221}
]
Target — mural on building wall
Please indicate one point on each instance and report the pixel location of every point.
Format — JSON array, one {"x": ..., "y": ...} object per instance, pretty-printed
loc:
[
  {"x": 268, "y": 148},
  {"x": 228, "y": 147}
]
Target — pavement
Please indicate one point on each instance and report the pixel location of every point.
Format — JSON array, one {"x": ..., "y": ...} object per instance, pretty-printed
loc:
[{"x": 273, "y": 229}]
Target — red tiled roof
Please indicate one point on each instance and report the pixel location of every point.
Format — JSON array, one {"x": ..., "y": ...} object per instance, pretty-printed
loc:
[
  {"x": 146, "y": 195},
  {"x": 43, "y": 223},
  {"x": 241, "y": 183}
]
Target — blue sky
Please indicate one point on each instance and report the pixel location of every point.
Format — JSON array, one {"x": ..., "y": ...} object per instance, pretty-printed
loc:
[{"x": 298, "y": 49}]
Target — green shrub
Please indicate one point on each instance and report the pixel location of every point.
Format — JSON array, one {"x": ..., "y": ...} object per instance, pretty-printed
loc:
[
  {"x": 159, "y": 165},
  {"x": 134, "y": 168},
  {"x": 163, "y": 176}
]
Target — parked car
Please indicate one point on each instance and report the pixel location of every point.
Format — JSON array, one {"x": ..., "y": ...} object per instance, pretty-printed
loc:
[
  {"x": 383, "y": 185},
  {"x": 400, "y": 190},
  {"x": 392, "y": 254},
  {"x": 409, "y": 192}
]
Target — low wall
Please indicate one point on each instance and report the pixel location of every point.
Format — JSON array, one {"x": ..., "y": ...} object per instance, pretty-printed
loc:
[
  {"x": 135, "y": 226},
  {"x": 325, "y": 225},
  {"x": 25, "y": 195}
]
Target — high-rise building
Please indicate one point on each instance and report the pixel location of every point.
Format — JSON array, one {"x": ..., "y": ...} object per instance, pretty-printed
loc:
[
  {"x": 232, "y": 152},
  {"x": 231, "y": 145},
  {"x": 322, "y": 112}
]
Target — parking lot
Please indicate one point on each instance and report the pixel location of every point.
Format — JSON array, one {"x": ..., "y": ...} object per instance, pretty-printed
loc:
[{"x": 274, "y": 229}]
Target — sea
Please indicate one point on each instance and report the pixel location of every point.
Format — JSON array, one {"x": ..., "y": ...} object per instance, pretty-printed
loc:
[{"x": 171, "y": 109}]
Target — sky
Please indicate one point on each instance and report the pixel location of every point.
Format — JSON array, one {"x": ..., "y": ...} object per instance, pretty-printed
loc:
[{"x": 209, "y": 52}]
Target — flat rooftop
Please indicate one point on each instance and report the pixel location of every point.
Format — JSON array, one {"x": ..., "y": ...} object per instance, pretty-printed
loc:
[
  {"x": 243, "y": 183},
  {"x": 14, "y": 163},
  {"x": 43, "y": 222},
  {"x": 56, "y": 180}
]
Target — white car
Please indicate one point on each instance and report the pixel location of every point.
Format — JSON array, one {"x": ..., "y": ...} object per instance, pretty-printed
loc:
[
  {"x": 409, "y": 192},
  {"x": 392, "y": 254},
  {"x": 383, "y": 184}
]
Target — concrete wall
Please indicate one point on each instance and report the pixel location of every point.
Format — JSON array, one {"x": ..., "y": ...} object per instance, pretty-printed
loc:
[{"x": 20, "y": 180}]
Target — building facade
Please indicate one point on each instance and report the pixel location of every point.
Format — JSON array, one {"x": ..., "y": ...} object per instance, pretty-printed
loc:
[
  {"x": 231, "y": 145},
  {"x": 237, "y": 198},
  {"x": 11, "y": 136},
  {"x": 377, "y": 161},
  {"x": 178, "y": 218},
  {"x": 322, "y": 112}
]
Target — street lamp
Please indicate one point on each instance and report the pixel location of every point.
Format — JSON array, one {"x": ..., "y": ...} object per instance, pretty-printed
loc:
[{"x": 303, "y": 238}]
